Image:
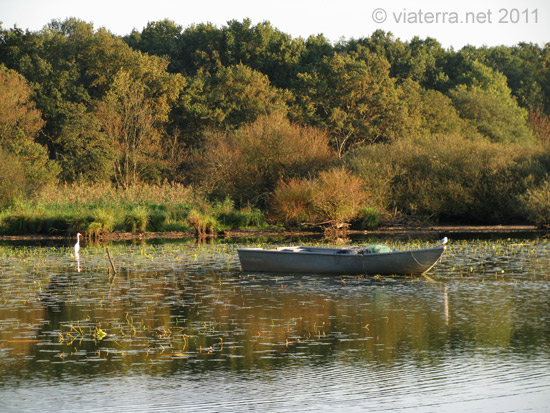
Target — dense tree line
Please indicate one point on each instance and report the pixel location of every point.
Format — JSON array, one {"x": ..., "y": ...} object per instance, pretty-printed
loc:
[{"x": 243, "y": 109}]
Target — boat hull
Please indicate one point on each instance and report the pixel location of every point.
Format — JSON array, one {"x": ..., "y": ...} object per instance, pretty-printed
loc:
[{"x": 329, "y": 261}]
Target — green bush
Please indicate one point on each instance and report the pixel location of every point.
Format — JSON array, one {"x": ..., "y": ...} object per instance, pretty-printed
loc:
[
  {"x": 135, "y": 220},
  {"x": 243, "y": 218},
  {"x": 13, "y": 184},
  {"x": 367, "y": 218},
  {"x": 202, "y": 223},
  {"x": 537, "y": 204},
  {"x": 97, "y": 222},
  {"x": 97, "y": 209},
  {"x": 449, "y": 177},
  {"x": 24, "y": 222},
  {"x": 158, "y": 216},
  {"x": 29, "y": 221}
]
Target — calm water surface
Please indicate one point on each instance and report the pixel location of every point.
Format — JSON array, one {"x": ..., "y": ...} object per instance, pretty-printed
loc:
[{"x": 181, "y": 328}]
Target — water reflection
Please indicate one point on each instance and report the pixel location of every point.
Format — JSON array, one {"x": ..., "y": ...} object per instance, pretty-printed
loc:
[{"x": 176, "y": 310}]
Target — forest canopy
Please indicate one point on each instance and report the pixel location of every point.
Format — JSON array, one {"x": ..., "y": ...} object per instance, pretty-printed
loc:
[{"x": 242, "y": 110}]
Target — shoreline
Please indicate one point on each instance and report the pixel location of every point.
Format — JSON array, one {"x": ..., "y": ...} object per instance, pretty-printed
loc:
[{"x": 430, "y": 230}]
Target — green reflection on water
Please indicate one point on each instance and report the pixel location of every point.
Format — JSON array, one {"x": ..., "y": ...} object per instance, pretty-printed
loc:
[{"x": 184, "y": 306}]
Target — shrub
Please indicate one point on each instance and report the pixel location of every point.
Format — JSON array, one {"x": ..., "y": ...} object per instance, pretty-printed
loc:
[
  {"x": 202, "y": 223},
  {"x": 367, "y": 218},
  {"x": 102, "y": 220},
  {"x": 537, "y": 204},
  {"x": 229, "y": 217},
  {"x": 246, "y": 165},
  {"x": 449, "y": 177},
  {"x": 23, "y": 222},
  {"x": 540, "y": 126},
  {"x": 135, "y": 220},
  {"x": 377, "y": 166},
  {"x": 291, "y": 202},
  {"x": 94, "y": 229},
  {"x": 157, "y": 218},
  {"x": 334, "y": 198},
  {"x": 96, "y": 209},
  {"x": 13, "y": 184},
  {"x": 26, "y": 220},
  {"x": 337, "y": 196}
]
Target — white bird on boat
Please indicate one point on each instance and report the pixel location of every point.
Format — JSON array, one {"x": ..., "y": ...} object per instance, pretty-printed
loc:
[
  {"x": 444, "y": 241},
  {"x": 77, "y": 245}
]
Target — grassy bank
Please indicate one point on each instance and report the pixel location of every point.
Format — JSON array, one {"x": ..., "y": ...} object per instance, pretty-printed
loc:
[{"x": 101, "y": 208}]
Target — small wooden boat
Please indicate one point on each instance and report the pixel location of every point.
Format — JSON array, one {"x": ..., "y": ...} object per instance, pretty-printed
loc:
[{"x": 340, "y": 261}]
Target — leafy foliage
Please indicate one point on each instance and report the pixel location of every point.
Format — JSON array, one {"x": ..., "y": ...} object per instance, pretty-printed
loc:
[
  {"x": 537, "y": 203},
  {"x": 448, "y": 177},
  {"x": 355, "y": 101},
  {"x": 245, "y": 111},
  {"x": 229, "y": 99},
  {"x": 485, "y": 99},
  {"x": 247, "y": 164},
  {"x": 26, "y": 163}
]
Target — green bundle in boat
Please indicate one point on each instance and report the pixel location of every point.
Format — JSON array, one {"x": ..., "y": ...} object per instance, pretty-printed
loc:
[{"x": 376, "y": 249}]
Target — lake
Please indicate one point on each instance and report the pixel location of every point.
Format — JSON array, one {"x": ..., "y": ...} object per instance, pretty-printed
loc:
[{"x": 179, "y": 327}]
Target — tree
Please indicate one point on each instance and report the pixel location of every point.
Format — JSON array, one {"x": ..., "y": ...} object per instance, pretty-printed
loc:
[
  {"x": 205, "y": 48},
  {"x": 199, "y": 50},
  {"x": 85, "y": 153},
  {"x": 229, "y": 99},
  {"x": 263, "y": 48},
  {"x": 316, "y": 49},
  {"x": 51, "y": 60},
  {"x": 20, "y": 123},
  {"x": 418, "y": 60},
  {"x": 72, "y": 68},
  {"x": 129, "y": 120},
  {"x": 159, "y": 38},
  {"x": 19, "y": 118},
  {"x": 484, "y": 98},
  {"x": 431, "y": 112},
  {"x": 13, "y": 183},
  {"x": 355, "y": 101},
  {"x": 242, "y": 94},
  {"x": 525, "y": 66}
]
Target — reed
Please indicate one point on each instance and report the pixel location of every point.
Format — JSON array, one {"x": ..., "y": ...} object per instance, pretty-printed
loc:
[{"x": 95, "y": 209}]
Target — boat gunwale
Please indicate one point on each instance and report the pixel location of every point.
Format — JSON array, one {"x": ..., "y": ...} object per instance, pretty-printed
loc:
[{"x": 334, "y": 252}]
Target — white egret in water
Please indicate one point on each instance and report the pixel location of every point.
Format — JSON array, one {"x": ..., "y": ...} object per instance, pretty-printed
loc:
[{"x": 77, "y": 245}]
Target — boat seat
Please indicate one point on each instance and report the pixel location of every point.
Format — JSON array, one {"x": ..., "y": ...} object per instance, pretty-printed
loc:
[
  {"x": 294, "y": 249},
  {"x": 350, "y": 251}
]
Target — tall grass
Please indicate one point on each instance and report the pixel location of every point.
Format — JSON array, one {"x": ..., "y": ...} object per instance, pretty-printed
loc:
[{"x": 95, "y": 209}]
